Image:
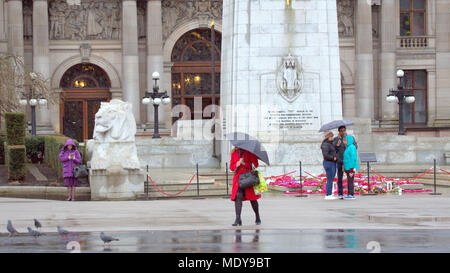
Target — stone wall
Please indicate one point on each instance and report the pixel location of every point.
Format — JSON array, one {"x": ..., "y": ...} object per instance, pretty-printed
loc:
[
  {"x": 174, "y": 153},
  {"x": 401, "y": 150}
]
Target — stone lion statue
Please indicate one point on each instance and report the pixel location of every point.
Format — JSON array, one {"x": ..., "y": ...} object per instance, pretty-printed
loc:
[
  {"x": 114, "y": 121},
  {"x": 113, "y": 146}
]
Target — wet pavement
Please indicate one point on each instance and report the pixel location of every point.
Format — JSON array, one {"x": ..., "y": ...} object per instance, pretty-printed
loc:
[
  {"x": 239, "y": 241},
  {"x": 416, "y": 222}
]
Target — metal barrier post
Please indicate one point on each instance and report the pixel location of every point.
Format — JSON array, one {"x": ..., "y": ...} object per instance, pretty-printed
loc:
[
  {"x": 368, "y": 182},
  {"x": 435, "y": 193},
  {"x": 301, "y": 182},
  {"x": 146, "y": 186},
  {"x": 226, "y": 174},
  {"x": 198, "y": 187}
]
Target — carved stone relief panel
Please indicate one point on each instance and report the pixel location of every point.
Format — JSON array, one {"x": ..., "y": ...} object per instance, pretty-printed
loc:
[
  {"x": 142, "y": 19},
  {"x": 346, "y": 18},
  {"x": 27, "y": 19},
  {"x": 91, "y": 20},
  {"x": 176, "y": 12}
]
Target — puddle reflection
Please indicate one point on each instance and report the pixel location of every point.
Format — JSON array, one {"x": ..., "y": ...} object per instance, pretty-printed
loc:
[{"x": 237, "y": 241}]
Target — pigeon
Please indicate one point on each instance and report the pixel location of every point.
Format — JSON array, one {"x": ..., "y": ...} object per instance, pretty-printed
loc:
[
  {"x": 62, "y": 232},
  {"x": 37, "y": 224},
  {"x": 107, "y": 239},
  {"x": 12, "y": 231},
  {"x": 34, "y": 233}
]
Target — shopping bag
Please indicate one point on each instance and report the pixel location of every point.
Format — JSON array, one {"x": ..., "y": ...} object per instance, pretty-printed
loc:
[{"x": 262, "y": 186}]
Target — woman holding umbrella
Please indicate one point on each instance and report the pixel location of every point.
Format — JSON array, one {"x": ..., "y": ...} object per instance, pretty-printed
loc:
[{"x": 241, "y": 162}]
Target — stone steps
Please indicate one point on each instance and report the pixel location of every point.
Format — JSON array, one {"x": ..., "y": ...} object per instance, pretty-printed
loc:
[
  {"x": 395, "y": 171},
  {"x": 211, "y": 183},
  {"x": 188, "y": 193},
  {"x": 442, "y": 179},
  {"x": 193, "y": 185}
]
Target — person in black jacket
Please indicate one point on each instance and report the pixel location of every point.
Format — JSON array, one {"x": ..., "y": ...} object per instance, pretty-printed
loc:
[
  {"x": 340, "y": 147},
  {"x": 329, "y": 163}
]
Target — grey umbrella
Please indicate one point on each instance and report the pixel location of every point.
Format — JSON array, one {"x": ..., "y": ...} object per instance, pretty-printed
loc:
[
  {"x": 248, "y": 143},
  {"x": 335, "y": 124}
]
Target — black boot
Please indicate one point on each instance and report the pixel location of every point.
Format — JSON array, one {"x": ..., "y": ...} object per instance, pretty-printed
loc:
[
  {"x": 237, "y": 222},
  {"x": 255, "y": 207},
  {"x": 238, "y": 209}
]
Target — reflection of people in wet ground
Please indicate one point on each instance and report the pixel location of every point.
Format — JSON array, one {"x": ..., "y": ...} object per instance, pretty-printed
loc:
[
  {"x": 238, "y": 244},
  {"x": 341, "y": 238}
]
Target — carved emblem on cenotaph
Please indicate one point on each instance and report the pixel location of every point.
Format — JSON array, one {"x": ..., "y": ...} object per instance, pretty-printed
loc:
[
  {"x": 289, "y": 78},
  {"x": 177, "y": 12},
  {"x": 89, "y": 20},
  {"x": 345, "y": 10}
]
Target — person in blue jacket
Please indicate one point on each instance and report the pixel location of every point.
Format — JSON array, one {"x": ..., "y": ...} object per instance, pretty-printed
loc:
[{"x": 350, "y": 164}]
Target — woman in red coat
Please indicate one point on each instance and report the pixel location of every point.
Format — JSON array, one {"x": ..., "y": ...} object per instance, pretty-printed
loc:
[{"x": 241, "y": 161}]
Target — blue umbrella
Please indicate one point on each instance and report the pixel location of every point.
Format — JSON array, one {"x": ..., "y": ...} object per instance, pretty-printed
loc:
[{"x": 335, "y": 124}]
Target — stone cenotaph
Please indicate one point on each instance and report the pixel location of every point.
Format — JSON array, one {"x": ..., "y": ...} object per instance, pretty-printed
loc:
[
  {"x": 114, "y": 172},
  {"x": 280, "y": 77}
]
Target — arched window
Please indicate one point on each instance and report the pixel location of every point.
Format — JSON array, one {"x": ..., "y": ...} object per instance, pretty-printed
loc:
[
  {"x": 85, "y": 86},
  {"x": 85, "y": 76},
  {"x": 192, "y": 68}
]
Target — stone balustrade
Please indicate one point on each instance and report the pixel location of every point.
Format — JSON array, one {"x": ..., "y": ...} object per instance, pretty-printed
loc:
[{"x": 415, "y": 42}]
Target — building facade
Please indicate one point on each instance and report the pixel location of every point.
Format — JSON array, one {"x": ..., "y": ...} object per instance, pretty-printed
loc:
[{"x": 93, "y": 51}]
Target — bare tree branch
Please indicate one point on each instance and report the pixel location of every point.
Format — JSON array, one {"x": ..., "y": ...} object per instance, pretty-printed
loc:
[{"x": 16, "y": 80}]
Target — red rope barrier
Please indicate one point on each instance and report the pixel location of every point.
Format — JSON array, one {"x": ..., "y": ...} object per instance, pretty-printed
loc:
[
  {"x": 444, "y": 171},
  {"x": 420, "y": 175},
  {"x": 313, "y": 175},
  {"x": 273, "y": 177},
  {"x": 381, "y": 175},
  {"x": 405, "y": 179},
  {"x": 362, "y": 171},
  {"x": 171, "y": 195}
]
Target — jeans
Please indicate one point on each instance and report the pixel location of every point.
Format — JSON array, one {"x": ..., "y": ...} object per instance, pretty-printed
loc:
[
  {"x": 340, "y": 174},
  {"x": 330, "y": 169},
  {"x": 350, "y": 178}
]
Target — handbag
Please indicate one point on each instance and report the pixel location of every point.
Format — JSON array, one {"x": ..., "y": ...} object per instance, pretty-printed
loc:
[
  {"x": 249, "y": 179},
  {"x": 80, "y": 171}
]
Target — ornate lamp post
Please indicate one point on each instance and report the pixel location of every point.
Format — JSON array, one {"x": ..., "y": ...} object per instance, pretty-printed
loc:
[
  {"x": 29, "y": 98},
  {"x": 33, "y": 100},
  {"x": 156, "y": 98},
  {"x": 400, "y": 96}
]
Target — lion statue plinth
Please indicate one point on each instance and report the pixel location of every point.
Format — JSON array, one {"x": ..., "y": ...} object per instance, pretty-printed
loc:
[{"x": 115, "y": 172}]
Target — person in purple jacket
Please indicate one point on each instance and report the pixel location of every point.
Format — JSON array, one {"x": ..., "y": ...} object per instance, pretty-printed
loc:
[{"x": 70, "y": 157}]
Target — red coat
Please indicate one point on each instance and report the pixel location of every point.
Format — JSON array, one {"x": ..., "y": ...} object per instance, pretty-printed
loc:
[{"x": 249, "y": 158}]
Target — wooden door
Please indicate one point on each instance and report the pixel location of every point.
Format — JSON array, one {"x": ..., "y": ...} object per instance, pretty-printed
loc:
[
  {"x": 73, "y": 119},
  {"x": 78, "y": 111}
]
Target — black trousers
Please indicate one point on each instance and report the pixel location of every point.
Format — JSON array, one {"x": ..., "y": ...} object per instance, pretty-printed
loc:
[
  {"x": 340, "y": 174},
  {"x": 350, "y": 179}
]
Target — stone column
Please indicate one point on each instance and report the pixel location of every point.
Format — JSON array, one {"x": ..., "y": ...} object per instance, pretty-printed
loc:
[
  {"x": 442, "y": 64},
  {"x": 364, "y": 60},
  {"x": 388, "y": 39},
  {"x": 41, "y": 62},
  {"x": 3, "y": 42},
  {"x": 432, "y": 98},
  {"x": 154, "y": 54},
  {"x": 15, "y": 27},
  {"x": 130, "y": 57}
]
